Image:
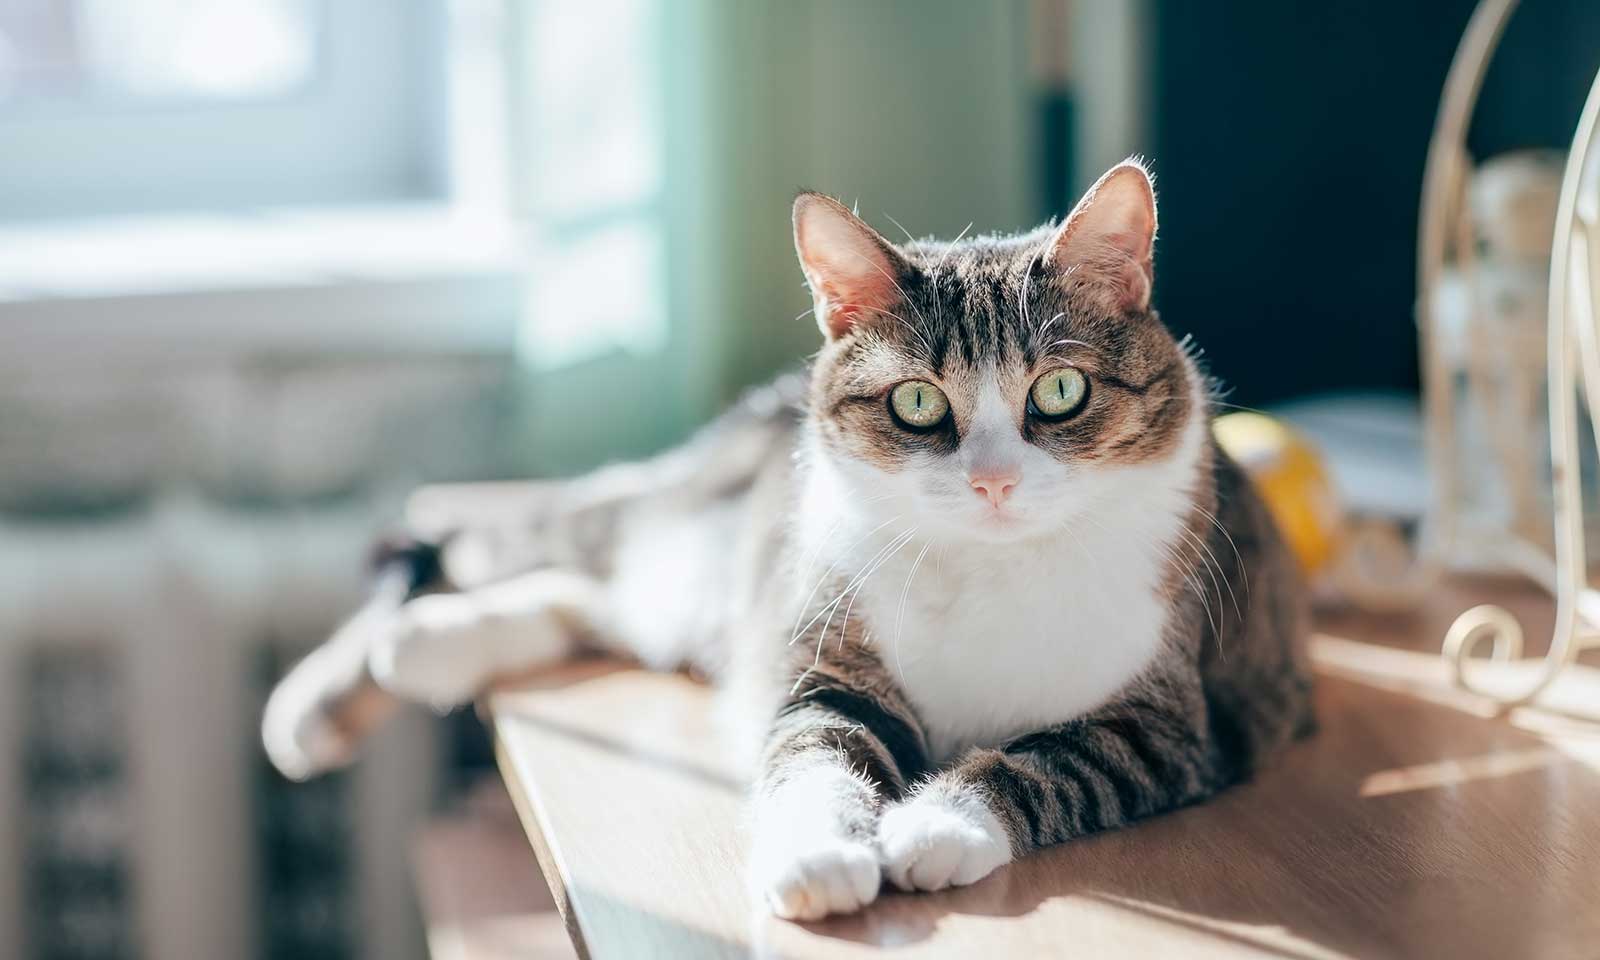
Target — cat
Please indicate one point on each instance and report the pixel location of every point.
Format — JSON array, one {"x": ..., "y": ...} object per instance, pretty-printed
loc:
[{"x": 982, "y": 580}]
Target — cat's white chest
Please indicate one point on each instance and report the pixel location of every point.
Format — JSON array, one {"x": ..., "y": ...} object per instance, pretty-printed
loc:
[{"x": 996, "y": 642}]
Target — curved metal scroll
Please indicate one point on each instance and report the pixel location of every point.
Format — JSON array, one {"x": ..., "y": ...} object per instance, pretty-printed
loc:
[{"x": 1571, "y": 317}]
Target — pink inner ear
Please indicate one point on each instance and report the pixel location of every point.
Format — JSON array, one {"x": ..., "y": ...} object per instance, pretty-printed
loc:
[
  {"x": 864, "y": 289},
  {"x": 1135, "y": 244},
  {"x": 847, "y": 295},
  {"x": 1134, "y": 285},
  {"x": 848, "y": 268},
  {"x": 1106, "y": 242}
]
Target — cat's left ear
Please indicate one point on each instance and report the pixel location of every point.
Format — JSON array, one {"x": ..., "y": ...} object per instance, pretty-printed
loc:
[
  {"x": 852, "y": 270},
  {"x": 1107, "y": 240}
]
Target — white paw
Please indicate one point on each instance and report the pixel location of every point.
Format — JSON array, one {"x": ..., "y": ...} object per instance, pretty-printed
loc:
[
  {"x": 439, "y": 650},
  {"x": 936, "y": 840},
  {"x": 817, "y": 876},
  {"x": 812, "y": 853}
]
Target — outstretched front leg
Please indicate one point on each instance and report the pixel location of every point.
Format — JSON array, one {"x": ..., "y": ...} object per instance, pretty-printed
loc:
[
  {"x": 845, "y": 742},
  {"x": 1131, "y": 759}
]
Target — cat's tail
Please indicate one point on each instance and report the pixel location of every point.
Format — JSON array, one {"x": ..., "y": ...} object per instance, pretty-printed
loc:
[{"x": 327, "y": 704}]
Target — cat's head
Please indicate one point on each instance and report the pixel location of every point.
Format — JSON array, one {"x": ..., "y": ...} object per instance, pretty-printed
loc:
[{"x": 996, "y": 388}]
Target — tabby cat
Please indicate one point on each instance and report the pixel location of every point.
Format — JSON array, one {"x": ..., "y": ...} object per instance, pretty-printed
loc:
[{"x": 982, "y": 583}]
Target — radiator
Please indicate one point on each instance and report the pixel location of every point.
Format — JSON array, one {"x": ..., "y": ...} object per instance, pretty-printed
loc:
[
  {"x": 170, "y": 541},
  {"x": 137, "y": 652},
  {"x": 136, "y": 655}
]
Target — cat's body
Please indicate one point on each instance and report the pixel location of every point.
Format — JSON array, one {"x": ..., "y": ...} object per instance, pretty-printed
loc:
[{"x": 984, "y": 583}]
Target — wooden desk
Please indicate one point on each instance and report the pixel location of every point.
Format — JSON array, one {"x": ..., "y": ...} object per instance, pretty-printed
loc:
[
  {"x": 1416, "y": 824},
  {"x": 481, "y": 895}
]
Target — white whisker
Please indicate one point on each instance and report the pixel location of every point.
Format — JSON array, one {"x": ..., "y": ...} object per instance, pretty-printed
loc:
[
  {"x": 909, "y": 237},
  {"x": 899, "y": 540},
  {"x": 1200, "y": 563},
  {"x": 873, "y": 565},
  {"x": 914, "y": 331},
  {"x": 1066, "y": 342},
  {"x": 900, "y": 614},
  {"x": 1046, "y": 325},
  {"x": 951, "y": 247},
  {"x": 902, "y": 290},
  {"x": 1220, "y": 572},
  {"x": 938, "y": 302},
  {"x": 1186, "y": 569},
  {"x": 845, "y": 623},
  {"x": 1027, "y": 282},
  {"x": 832, "y": 567},
  {"x": 1243, "y": 568},
  {"x": 811, "y": 560}
]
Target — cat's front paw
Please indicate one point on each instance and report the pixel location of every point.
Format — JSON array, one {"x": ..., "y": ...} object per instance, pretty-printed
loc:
[
  {"x": 811, "y": 878},
  {"x": 812, "y": 853},
  {"x": 941, "y": 839}
]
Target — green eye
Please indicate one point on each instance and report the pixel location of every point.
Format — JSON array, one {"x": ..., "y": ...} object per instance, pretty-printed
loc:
[
  {"x": 918, "y": 404},
  {"x": 1058, "y": 394}
]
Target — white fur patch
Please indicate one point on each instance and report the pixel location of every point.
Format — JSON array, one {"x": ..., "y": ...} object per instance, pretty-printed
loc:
[
  {"x": 444, "y": 649},
  {"x": 941, "y": 838},
  {"x": 999, "y": 629},
  {"x": 803, "y": 862},
  {"x": 667, "y": 570}
]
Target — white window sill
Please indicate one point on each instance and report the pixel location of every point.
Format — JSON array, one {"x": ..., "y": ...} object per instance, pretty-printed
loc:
[{"x": 385, "y": 279}]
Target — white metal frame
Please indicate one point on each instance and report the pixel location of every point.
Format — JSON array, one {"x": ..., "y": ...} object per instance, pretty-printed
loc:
[{"x": 1571, "y": 320}]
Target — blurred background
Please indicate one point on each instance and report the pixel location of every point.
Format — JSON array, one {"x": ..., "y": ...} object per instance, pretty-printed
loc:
[{"x": 265, "y": 265}]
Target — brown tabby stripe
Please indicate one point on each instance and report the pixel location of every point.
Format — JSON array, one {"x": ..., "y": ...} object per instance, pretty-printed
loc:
[
  {"x": 1089, "y": 775},
  {"x": 845, "y": 709},
  {"x": 825, "y": 699}
]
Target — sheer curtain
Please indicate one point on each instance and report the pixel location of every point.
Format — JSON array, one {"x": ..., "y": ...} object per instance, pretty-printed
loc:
[{"x": 657, "y": 148}]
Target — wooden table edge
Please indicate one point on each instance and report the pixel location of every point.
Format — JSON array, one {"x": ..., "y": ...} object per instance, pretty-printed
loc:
[{"x": 545, "y": 850}]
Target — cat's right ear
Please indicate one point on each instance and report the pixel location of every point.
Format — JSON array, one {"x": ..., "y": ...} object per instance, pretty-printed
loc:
[
  {"x": 852, "y": 270},
  {"x": 1106, "y": 243}
]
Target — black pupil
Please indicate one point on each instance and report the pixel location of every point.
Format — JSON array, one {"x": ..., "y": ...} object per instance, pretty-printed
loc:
[
  {"x": 1061, "y": 387},
  {"x": 919, "y": 398}
]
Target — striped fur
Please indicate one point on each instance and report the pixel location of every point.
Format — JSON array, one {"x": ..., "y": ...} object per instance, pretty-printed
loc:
[
  {"x": 969, "y": 768},
  {"x": 933, "y": 683}
]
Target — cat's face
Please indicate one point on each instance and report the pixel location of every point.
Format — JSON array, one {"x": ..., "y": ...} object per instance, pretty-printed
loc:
[{"x": 995, "y": 389}]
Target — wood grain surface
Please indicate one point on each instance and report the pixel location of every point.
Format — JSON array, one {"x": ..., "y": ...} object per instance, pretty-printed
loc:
[{"x": 1419, "y": 822}]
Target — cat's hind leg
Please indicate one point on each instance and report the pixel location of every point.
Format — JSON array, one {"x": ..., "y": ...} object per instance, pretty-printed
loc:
[
  {"x": 320, "y": 712},
  {"x": 445, "y": 648}
]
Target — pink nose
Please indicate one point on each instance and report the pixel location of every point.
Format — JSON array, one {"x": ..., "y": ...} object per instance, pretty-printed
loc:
[{"x": 996, "y": 486}]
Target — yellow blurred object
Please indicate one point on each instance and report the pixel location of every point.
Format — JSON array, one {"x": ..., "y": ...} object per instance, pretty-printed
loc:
[{"x": 1293, "y": 481}]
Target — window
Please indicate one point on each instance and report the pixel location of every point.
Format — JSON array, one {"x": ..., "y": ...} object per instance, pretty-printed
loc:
[
  {"x": 138, "y": 106},
  {"x": 595, "y": 179},
  {"x": 110, "y": 51},
  {"x": 316, "y": 163}
]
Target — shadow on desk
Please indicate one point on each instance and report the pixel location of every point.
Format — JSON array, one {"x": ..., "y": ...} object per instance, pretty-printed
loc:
[{"x": 1418, "y": 822}]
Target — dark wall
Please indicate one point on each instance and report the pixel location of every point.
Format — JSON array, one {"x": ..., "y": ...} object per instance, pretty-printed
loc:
[{"x": 1289, "y": 141}]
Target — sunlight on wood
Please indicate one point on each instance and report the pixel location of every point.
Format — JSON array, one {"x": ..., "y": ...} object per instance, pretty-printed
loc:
[
  {"x": 1422, "y": 675},
  {"x": 1448, "y": 773},
  {"x": 1575, "y": 694}
]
